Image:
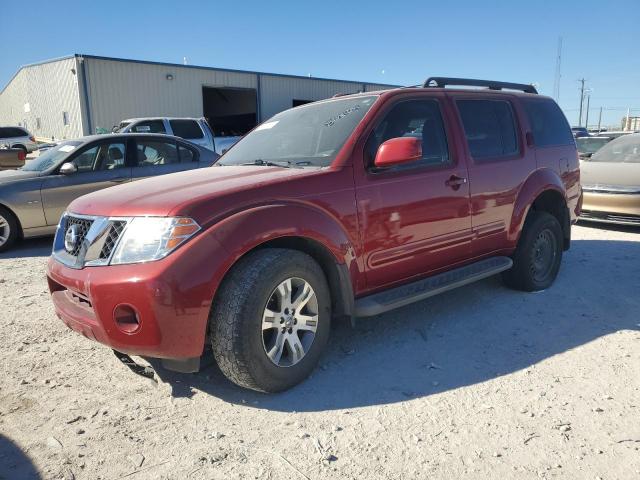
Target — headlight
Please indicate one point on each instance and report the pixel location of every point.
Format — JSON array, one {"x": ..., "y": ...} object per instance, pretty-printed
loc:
[{"x": 146, "y": 239}]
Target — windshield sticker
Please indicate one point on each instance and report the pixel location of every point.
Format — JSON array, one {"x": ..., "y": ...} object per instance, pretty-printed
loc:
[
  {"x": 67, "y": 148},
  {"x": 333, "y": 120},
  {"x": 267, "y": 125}
]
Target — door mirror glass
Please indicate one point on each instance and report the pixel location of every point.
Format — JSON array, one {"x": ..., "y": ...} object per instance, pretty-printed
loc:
[
  {"x": 397, "y": 151},
  {"x": 68, "y": 169}
]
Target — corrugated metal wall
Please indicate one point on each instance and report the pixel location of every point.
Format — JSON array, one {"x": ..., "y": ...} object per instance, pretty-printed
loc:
[
  {"x": 277, "y": 93},
  {"x": 49, "y": 89},
  {"x": 119, "y": 90},
  {"x": 123, "y": 89}
]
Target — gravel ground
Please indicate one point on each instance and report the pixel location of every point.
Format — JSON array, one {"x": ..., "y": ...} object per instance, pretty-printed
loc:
[{"x": 481, "y": 382}]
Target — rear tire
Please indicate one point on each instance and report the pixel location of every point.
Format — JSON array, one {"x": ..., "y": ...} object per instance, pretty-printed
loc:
[
  {"x": 255, "y": 343},
  {"x": 9, "y": 230},
  {"x": 538, "y": 255}
]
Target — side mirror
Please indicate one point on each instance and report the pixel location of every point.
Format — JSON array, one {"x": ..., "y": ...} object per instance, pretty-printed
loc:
[
  {"x": 68, "y": 168},
  {"x": 398, "y": 151}
]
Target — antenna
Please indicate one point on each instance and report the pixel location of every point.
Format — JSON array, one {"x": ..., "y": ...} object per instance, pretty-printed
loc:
[{"x": 556, "y": 81}]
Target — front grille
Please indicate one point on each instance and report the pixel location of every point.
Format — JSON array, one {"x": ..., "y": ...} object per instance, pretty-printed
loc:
[
  {"x": 83, "y": 226},
  {"x": 113, "y": 235}
]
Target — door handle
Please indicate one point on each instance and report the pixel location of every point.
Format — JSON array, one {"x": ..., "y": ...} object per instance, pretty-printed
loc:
[
  {"x": 455, "y": 182},
  {"x": 119, "y": 180}
]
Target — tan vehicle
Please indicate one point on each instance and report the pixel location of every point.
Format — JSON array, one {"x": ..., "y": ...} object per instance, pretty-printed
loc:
[
  {"x": 611, "y": 182},
  {"x": 33, "y": 198},
  {"x": 11, "y": 158}
]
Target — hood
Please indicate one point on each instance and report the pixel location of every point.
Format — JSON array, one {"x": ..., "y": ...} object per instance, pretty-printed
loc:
[
  {"x": 609, "y": 174},
  {"x": 8, "y": 176},
  {"x": 182, "y": 193}
]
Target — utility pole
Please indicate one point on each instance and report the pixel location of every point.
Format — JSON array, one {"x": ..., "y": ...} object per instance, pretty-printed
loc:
[
  {"x": 586, "y": 122},
  {"x": 582, "y": 80},
  {"x": 556, "y": 82},
  {"x": 600, "y": 120}
]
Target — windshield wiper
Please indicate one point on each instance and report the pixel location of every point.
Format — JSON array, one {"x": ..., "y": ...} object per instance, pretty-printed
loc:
[{"x": 268, "y": 163}]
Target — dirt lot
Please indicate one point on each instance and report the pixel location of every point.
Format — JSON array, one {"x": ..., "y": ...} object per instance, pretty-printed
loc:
[{"x": 482, "y": 382}]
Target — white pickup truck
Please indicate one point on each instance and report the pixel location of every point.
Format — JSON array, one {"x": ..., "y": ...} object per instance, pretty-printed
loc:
[{"x": 195, "y": 130}]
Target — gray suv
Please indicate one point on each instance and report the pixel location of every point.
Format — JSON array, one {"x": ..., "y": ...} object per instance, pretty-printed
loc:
[
  {"x": 33, "y": 198},
  {"x": 18, "y": 137}
]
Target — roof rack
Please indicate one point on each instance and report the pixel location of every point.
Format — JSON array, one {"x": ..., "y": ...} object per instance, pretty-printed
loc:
[{"x": 470, "y": 82}]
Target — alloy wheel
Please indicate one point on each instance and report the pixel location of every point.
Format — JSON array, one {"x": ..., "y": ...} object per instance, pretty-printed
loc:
[
  {"x": 5, "y": 230},
  {"x": 289, "y": 322}
]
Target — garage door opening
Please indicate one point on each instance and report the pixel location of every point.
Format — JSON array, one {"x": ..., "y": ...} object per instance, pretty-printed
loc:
[{"x": 230, "y": 111}]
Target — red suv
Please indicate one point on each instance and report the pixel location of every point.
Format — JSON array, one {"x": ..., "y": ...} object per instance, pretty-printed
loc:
[{"x": 351, "y": 206}]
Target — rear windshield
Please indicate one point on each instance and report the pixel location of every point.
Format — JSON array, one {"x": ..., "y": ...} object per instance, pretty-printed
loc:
[
  {"x": 51, "y": 157},
  {"x": 12, "y": 132},
  {"x": 587, "y": 145},
  {"x": 621, "y": 150},
  {"x": 310, "y": 135}
]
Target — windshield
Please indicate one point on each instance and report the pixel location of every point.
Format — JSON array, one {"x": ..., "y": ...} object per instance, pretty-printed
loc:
[
  {"x": 621, "y": 150},
  {"x": 588, "y": 145},
  {"x": 310, "y": 135},
  {"x": 51, "y": 157}
]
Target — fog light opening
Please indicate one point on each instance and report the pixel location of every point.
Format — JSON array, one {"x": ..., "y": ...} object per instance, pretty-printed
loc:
[{"x": 126, "y": 318}]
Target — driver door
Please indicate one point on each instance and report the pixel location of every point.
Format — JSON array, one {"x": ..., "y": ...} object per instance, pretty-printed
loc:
[
  {"x": 100, "y": 165},
  {"x": 414, "y": 218}
]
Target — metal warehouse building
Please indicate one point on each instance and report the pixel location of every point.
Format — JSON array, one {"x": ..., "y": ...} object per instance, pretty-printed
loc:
[{"x": 79, "y": 94}]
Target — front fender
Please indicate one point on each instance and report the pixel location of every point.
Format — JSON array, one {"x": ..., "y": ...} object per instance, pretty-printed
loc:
[
  {"x": 245, "y": 230},
  {"x": 539, "y": 181},
  {"x": 24, "y": 200}
]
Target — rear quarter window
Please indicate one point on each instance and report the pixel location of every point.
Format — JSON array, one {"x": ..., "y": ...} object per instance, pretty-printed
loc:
[
  {"x": 548, "y": 124},
  {"x": 186, "y": 129}
]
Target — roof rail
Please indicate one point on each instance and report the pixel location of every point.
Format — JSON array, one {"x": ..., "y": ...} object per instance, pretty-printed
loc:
[{"x": 470, "y": 82}]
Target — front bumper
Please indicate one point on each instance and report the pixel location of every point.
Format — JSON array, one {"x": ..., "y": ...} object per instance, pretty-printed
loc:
[
  {"x": 619, "y": 208},
  {"x": 172, "y": 298}
]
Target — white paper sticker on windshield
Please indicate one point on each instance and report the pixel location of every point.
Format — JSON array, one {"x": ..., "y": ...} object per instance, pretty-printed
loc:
[
  {"x": 267, "y": 125},
  {"x": 67, "y": 148}
]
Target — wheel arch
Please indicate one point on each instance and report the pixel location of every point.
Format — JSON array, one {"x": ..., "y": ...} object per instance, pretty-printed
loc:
[
  {"x": 297, "y": 227},
  {"x": 12, "y": 212},
  {"x": 542, "y": 191},
  {"x": 19, "y": 145}
]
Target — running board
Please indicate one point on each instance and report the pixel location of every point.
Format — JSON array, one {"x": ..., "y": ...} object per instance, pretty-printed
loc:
[{"x": 413, "y": 292}]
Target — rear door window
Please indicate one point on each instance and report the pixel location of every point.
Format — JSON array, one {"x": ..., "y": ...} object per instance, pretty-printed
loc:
[
  {"x": 155, "y": 153},
  {"x": 489, "y": 127},
  {"x": 548, "y": 123},
  {"x": 186, "y": 129},
  {"x": 149, "y": 126}
]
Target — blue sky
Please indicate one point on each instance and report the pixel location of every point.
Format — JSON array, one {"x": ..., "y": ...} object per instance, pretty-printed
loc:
[{"x": 388, "y": 42}]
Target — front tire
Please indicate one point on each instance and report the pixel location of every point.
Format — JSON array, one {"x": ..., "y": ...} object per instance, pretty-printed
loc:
[
  {"x": 8, "y": 229},
  {"x": 270, "y": 320},
  {"x": 537, "y": 258}
]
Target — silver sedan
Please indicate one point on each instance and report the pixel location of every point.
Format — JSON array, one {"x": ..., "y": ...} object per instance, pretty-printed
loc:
[{"x": 33, "y": 198}]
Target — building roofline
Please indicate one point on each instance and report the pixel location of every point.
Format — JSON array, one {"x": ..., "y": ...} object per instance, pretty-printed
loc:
[
  {"x": 232, "y": 70},
  {"x": 35, "y": 64},
  {"x": 178, "y": 65}
]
